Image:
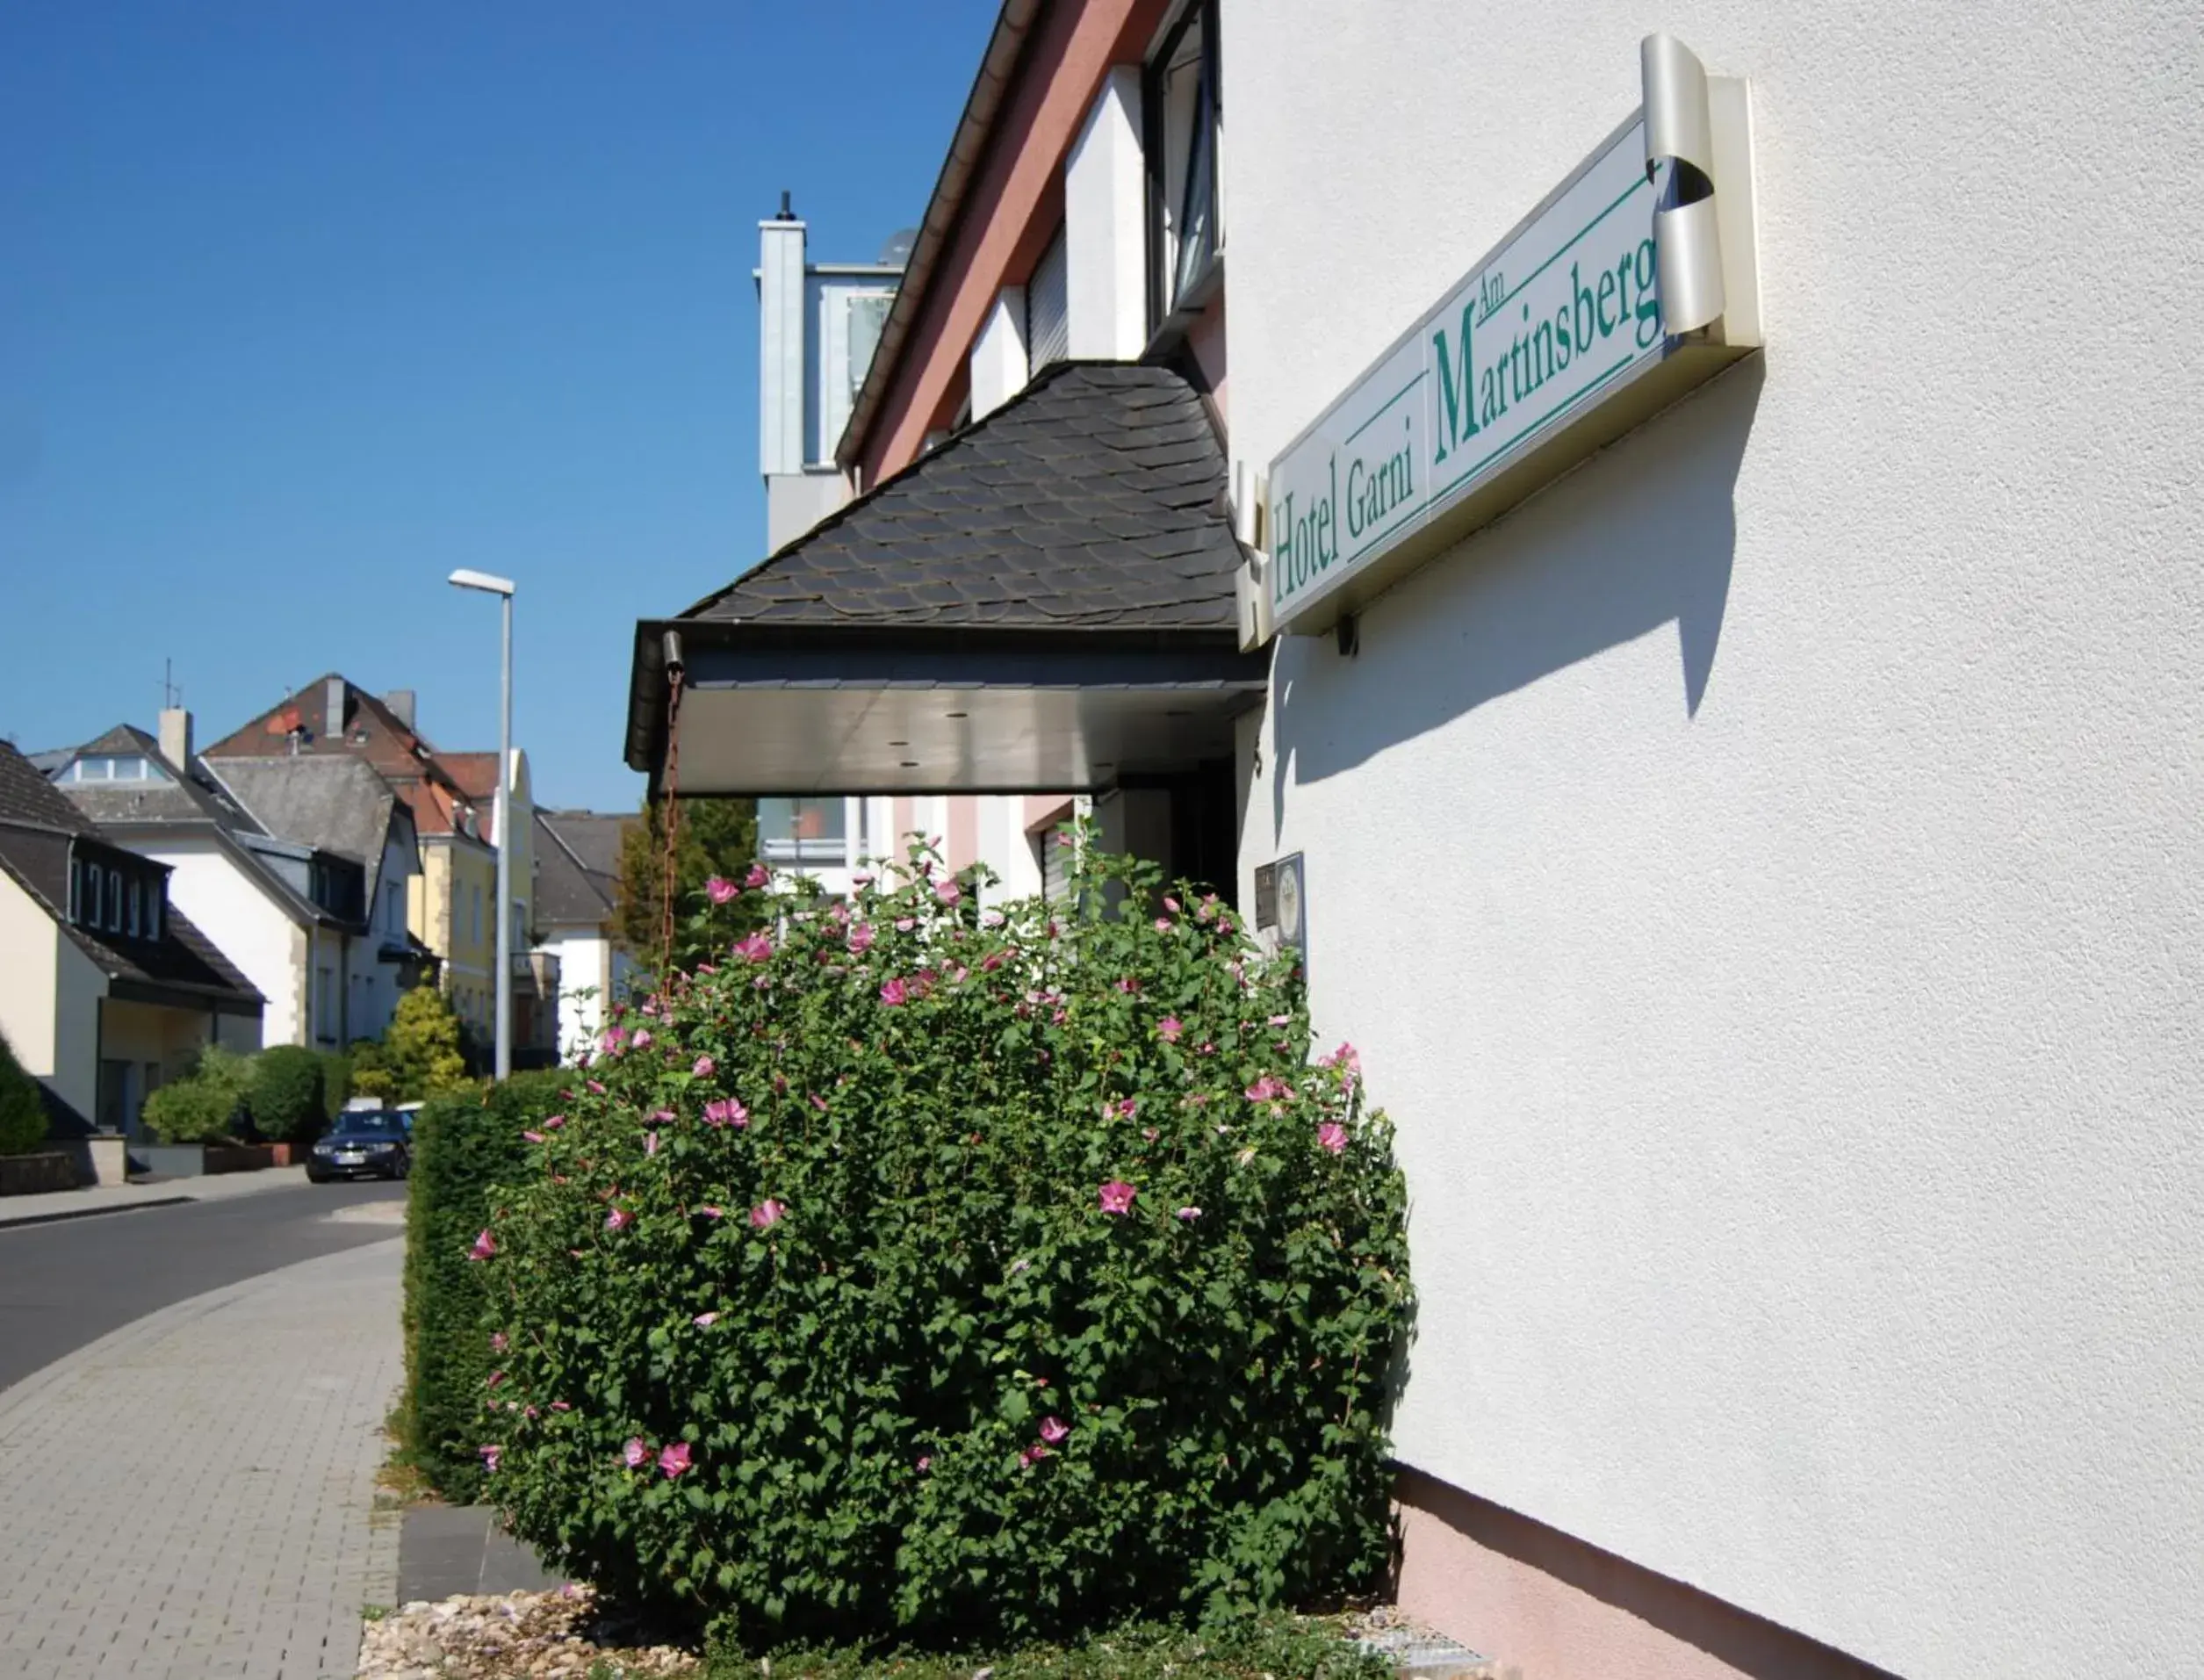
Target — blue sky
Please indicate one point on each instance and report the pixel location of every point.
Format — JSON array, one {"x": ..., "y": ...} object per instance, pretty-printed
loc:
[{"x": 301, "y": 306}]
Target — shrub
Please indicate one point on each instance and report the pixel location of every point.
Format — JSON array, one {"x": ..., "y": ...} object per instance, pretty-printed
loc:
[
  {"x": 285, "y": 1095},
  {"x": 204, "y": 1105},
  {"x": 954, "y": 1276},
  {"x": 466, "y": 1146},
  {"x": 22, "y": 1106},
  {"x": 422, "y": 1050}
]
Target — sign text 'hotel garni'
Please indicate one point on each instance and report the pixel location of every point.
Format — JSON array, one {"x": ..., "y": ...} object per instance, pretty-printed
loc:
[{"x": 1634, "y": 280}]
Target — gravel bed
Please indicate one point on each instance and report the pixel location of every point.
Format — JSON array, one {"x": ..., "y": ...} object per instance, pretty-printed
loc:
[{"x": 516, "y": 1636}]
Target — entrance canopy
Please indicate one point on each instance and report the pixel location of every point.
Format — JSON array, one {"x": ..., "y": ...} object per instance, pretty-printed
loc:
[{"x": 1044, "y": 601}]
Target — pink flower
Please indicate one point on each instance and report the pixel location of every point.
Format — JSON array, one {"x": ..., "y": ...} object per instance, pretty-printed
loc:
[
  {"x": 860, "y": 938},
  {"x": 758, "y": 876},
  {"x": 1169, "y": 1029},
  {"x": 498, "y": 1342},
  {"x": 1172, "y": 905},
  {"x": 1117, "y": 1197},
  {"x": 618, "y": 1220},
  {"x": 1333, "y": 1136},
  {"x": 818, "y": 1102},
  {"x": 659, "y": 1117},
  {"x": 894, "y": 992},
  {"x": 1038, "y": 1451},
  {"x": 635, "y": 1454},
  {"x": 1052, "y": 1430},
  {"x": 992, "y": 961},
  {"x": 594, "y": 1087},
  {"x": 552, "y": 1122},
  {"x": 756, "y": 948},
  {"x": 533, "y": 1137},
  {"x": 616, "y": 1040},
  {"x": 862, "y": 878},
  {"x": 1189, "y": 1214},
  {"x": 768, "y": 1214},
  {"x": 641, "y": 1040},
  {"x": 705, "y": 1067},
  {"x": 490, "y": 1456},
  {"x": 493, "y": 1379},
  {"x": 925, "y": 1462},
  {"x": 484, "y": 1246},
  {"x": 991, "y": 919},
  {"x": 1280, "y": 1020},
  {"x": 705, "y": 1321},
  {"x": 905, "y": 924},
  {"x": 651, "y": 1143},
  {"x": 1128, "y": 1108},
  {"x": 948, "y": 890},
  {"x": 1269, "y": 1088},
  {"x": 728, "y": 1111},
  {"x": 719, "y": 890},
  {"x": 710, "y": 1211},
  {"x": 1163, "y": 924},
  {"x": 1128, "y": 985},
  {"x": 1344, "y": 1057},
  {"x": 562, "y": 1405}
]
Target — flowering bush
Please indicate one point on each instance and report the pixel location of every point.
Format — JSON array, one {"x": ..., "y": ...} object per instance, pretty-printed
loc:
[{"x": 919, "y": 1269}]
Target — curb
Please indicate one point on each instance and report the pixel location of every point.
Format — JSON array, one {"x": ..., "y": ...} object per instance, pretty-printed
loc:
[{"x": 8, "y": 1224}]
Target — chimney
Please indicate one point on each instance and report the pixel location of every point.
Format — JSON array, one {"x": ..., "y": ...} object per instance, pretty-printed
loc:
[
  {"x": 332, "y": 711},
  {"x": 781, "y": 327},
  {"x": 400, "y": 704},
  {"x": 176, "y": 739}
]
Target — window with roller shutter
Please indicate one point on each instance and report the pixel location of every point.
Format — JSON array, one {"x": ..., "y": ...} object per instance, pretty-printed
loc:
[{"x": 1048, "y": 308}]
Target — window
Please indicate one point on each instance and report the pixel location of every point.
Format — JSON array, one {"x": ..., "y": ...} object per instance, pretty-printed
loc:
[
  {"x": 1048, "y": 308},
  {"x": 130, "y": 908},
  {"x": 114, "y": 767},
  {"x": 325, "y": 1005},
  {"x": 803, "y": 831},
  {"x": 111, "y": 879},
  {"x": 156, "y": 908},
  {"x": 477, "y": 916},
  {"x": 868, "y": 319},
  {"x": 1183, "y": 118}
]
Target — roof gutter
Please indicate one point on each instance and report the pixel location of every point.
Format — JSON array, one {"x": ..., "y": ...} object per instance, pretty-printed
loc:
[{"x": 944, "y": 210}]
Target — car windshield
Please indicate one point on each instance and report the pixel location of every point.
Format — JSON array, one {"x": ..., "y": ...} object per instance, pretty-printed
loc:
[{"x": 371, "y": 1126}]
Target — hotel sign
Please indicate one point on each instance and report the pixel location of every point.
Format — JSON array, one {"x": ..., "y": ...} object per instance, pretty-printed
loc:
[{"x": 1615, "y": 295}]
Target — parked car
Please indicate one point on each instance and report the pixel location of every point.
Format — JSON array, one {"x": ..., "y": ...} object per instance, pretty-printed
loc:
[{"x": 363, "y": 1144}]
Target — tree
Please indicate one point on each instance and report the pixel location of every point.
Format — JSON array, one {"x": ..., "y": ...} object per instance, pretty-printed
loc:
[
  {"x": 422, "y": 1050},
  {"x": 716, "y": 836},
  {"x": 286, "y": 1097},
  {"x": 22, "y": 1109}
]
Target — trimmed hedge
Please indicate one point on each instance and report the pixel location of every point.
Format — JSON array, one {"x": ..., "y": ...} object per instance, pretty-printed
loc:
[
  {"x": 204, "y": 1105},
  {"x": 22, "y": 1109},
  {"x": 467, "y": 1146},
  {"x": 286, "y": 1098}
]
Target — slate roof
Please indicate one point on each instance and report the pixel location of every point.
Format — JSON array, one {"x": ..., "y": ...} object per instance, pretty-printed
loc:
[
  {"x": 578, "y": 873},
  {"x": 334, "y": 805},
  {"x": 39, "y": 829},
  {"x": 191, "y": 799},
  {"x": 1093, "y": 500}
]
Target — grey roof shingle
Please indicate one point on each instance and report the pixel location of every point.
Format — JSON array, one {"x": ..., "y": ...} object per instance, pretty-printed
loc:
[
  {"x": 335, "y": 804},
  {"x": 1092, "y": 500},
  {"x": 578, "y": 874}
]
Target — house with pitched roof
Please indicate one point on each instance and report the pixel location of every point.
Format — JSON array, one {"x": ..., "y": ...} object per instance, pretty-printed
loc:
[
  {"x": 295, "y": 917},
  {"x": 109, "y": 988},
  {"x": 577, "y": 899},
  {"x": 452, "y": 904}
]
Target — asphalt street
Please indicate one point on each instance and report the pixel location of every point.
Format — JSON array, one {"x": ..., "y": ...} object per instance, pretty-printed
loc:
[{"x": 66, "y": 1284}]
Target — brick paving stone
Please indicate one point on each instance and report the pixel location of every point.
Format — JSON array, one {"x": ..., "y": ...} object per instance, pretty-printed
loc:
[{"x": 193, "y": 1495}]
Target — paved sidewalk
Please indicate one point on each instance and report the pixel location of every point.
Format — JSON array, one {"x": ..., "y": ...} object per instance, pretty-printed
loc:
[
  {"x": 119, "y": 1198},
  {"x": 189, "y": 1497}
]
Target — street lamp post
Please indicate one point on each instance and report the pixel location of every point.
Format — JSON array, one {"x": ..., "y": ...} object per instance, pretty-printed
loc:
[{"x": 502, "y": 588}]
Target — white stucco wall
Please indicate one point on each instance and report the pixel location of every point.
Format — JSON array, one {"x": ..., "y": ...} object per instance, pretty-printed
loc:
[
  {"x": 1765, "y": 876},
  {"x": 29, "y": 996},
  {"x": 585, "y": 964},
  {"x": 240, "y": 916}
]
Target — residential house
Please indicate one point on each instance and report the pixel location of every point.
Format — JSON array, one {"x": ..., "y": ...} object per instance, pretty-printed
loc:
[
  {"x": 577, "y": 901},
  {"x": 536, "y": 977},
  {"x": 452, "y": 904},
  {"x": 343, "y": 810},
  {"x": 108, "y": 988},
  {"x": 293, "y": 917},
  {"x": 1747, "y": 824}
]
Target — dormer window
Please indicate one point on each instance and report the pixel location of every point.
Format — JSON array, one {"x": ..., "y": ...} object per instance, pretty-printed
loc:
[
  {"x": 118, "y": 896},
  {"x": 106, "y": 767}
]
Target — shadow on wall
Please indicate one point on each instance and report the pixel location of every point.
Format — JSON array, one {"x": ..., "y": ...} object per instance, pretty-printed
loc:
[{"x": 1643, "y": 534}]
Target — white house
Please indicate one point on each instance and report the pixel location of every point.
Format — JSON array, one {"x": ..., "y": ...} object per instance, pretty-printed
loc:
[
  {"x": 296, "y": 919},
  {"x": 576, "y": 893},
  {"x": 108, "y": 990}
]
